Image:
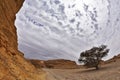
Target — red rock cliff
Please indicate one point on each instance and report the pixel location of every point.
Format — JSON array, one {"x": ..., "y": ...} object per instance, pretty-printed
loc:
[{"x": 13, "y": 66}]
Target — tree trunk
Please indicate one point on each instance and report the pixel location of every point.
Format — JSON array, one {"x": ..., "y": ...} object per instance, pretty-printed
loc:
[{"x": 97, "y": 68}]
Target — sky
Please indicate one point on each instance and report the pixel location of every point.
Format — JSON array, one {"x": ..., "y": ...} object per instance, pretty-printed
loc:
[{"x": 62, "y": 29}]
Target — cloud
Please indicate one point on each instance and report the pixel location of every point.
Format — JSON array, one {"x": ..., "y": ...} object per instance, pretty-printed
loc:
[{"x": 47, "y": 30}]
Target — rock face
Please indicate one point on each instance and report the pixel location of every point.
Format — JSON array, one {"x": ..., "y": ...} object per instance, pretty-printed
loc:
[{"x": 13, "y": 65}]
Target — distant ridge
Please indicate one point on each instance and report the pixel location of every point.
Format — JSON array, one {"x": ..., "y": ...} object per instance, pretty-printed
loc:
[{"x": 66, "y": 64}]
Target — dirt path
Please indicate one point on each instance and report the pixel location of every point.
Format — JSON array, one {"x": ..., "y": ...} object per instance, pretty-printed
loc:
[{"x": 107, "y": 72}]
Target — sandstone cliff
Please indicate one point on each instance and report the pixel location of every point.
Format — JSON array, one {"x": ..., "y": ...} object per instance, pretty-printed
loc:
[{"x": 13, "y": 65}]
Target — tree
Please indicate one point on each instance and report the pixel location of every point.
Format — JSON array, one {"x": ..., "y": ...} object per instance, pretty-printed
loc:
[{"x": 92, "y": 57}]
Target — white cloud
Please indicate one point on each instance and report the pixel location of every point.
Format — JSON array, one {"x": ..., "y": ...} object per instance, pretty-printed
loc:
[{"x": 50, "y": 30}]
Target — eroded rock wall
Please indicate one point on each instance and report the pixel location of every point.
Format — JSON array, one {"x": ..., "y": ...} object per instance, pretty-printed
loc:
[{"x": 13, "y": 65}]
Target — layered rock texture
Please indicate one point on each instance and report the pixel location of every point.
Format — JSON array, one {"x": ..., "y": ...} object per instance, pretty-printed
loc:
[{"x": 13, "y": 65}]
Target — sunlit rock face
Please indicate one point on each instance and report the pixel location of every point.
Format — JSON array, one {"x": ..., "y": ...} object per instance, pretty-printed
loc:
[{"x": 61, "y": 29}]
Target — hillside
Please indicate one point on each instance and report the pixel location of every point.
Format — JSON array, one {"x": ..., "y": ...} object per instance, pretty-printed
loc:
[
  {"x": 13, "y": 65},
  {"x": 58, "y": 63},
  {"x": 55, "y": 64}
]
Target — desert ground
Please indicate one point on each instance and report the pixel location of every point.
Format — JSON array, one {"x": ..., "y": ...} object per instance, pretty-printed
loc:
[
  {"x": 110, "y": 71},
  {"x": 68, "y": 70}
]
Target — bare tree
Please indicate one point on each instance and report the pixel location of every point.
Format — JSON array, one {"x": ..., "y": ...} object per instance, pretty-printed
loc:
[{"x": 92, "y": 57}]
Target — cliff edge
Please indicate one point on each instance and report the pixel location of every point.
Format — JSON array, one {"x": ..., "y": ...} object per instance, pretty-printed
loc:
[{"x": 13, "y": 65}]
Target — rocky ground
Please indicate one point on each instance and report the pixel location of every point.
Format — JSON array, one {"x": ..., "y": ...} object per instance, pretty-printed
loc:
[{"x": 68, "y": 70}]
